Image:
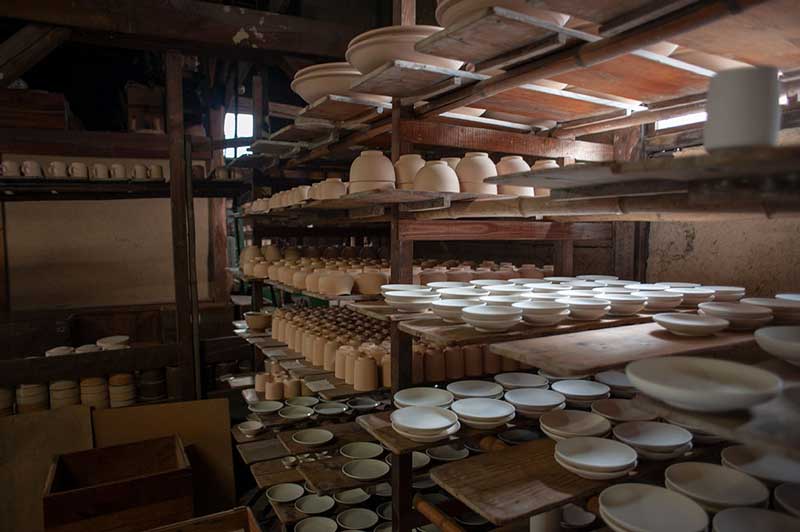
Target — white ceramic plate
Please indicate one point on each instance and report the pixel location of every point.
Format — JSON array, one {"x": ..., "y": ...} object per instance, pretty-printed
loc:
[
  {"x": 782, "y": 342},
  {"x": 596, "y": 454},
  {"x": 789, "y": 296},
  {"x": 592, "y": 475},
  {"x": 286, "y": 492},
  {"x": 690, "y": 324},
  {"x": 643, "y": 508},
  {"x": 661, "y": 457},
  {"x": 482, "y": 409},
  {"x": 312, "y": 437},
  {"x": 295, "y": 412},
  {"x": 423, "y": 420},
  {"x": 316, "y": 524},
  {"x": 369, "y": 469},
  {"x": 403, "y": 288},
  {"x": 534, "y": 398},
  {"x": 513, "y": 380},
  {"x": 429, "y": 439},
  {"x": 492, "y": 326},
  {"x": 447, "y": 453},
  {"x": 752, "y": 519},
  {"x": 559, "y": 280},
  {"x": 357, "y": 519},
  {"x": 621, "y": 410},
  {"x": 703, "y": 384},
  {"x": 712, "y": 484},
  {"x": 303, "y": 400},
  {"x": 421, "y": 396},
  {"x": 314, "y": 504},
  {"x": 580, "y": 389},
  {"x": 677, "y": 284},
  {"x": 595, "y": 277},
  {"x": 489, "y": 282},
  {"x": 733, "y": 311},
  {"x": 450, "y": 309},
  {"x": 652, "y": 435},
  {"x": 360, "y": 450},
  {"x": 352, "y": 496},
  {"x": 487, "y": 425},
  {"x": 572, "y": 423},
  {"x": 614, "y": 379},
  {"x": 265, "y": 407},
  {"x": 768, "y": 466},
  {"x": 462, "y": 293},
  {"x": 787, "y": 498},
  {"x": 474, "y": 388},
  {"x": 330, "y": 408},
  {"x": 437, "y": 285}
]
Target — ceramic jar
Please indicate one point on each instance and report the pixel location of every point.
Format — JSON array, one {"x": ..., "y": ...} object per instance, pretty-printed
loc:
[
  {"x": 291, "y": 388},
  {"x": 318, "y": 358},
  {"x": 340, "y": 365},
  {"x": 372, "y": 165},
  {"x": 366, "y": 374},
  {"x": 335, "y": 284},
  {"x": 472, "y": 170},
  {"x": 491, "y": 361},
  {"x": 454, "y": 363},
  {"x": 437, "y": 176},
  {"x": 273, "y": 391},
  {"x": 407, "y": 167},
  {"x": 512, "y": 164},
  {"x": 369, "y": 283},
  {"x": 350, "y": 366},
  {"x": 329, "y": 357},
  {"x": 473, "y": 361},
  {"x": 452, "y": 162},
  {"x": 308, "y": 345},
  {"x": 288, "y": 335},
  {"x": 332, "y": 188},
  {"x": 386, "y": 371},
  {"x": 432, "y": 276},
  {"x": 299, "y": 334},
  {"x": 435, "y": 368},
  {"x": 271, "y": 252}
]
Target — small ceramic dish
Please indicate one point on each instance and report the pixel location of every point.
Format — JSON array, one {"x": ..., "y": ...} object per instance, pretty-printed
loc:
[
  {"x": 507, "y": 290},
  {"x": 330, "y": 408},
  {"x": 447, "y": 453},
  {"x": 652, "y": 435},
  {"x": 513, "y": 380},
  {"x": 727, "y": 293},
  {"x": 403, "y": 288},
  {"x": 363, "y": 404},
  {"x": 595, "y": 454},
  {"x": 418, "y": 460},
  {"x": 450, "y": 309},
  {"x": 560, "y": 280},
  {"x": 482, "y": 409},
  {"x": 692, "y": 295},
  {"x": 250, "y": 428},
  {"x": 506, "y": 301},
  {"x": 690, "y": 324},
  {"x": 782, "y": 342},
  {"x": 571, "y": 423},
  {"x": 438, "y": 285},
  {"x": 303, "y": 400},
  {"x": 314, "y": 504},
  {"x": 547, "y": 288},
  {"x": 585, "y": 308},
  {"x": 474, "y": 388},
  {"x": 357, "y": 519},
  {"x": 295, "y": 413},
  {"x": 462, "y": 293},
  {"x": 265, "y": 407},
  {"x": 534, "y": 398},
  {"x": 316, "y": 524},
  {"x": 523, "y": 281},
  {"x": 519, "y": 436},
  {"x": 369, "y": 469},
  {"x": 492, "y": 325},
  {"x": 361, "y": 450},
  {"x": 615, "y": 379},
  {"x": 422, "y": 396},
  {"x": 312, "y": 437},
  {"x": 287, "y": 492},
  {"x": 423, "y": 420},
  {"x": 624, "y": 304},
  {"x": 351, "y": 496},
  {"x": 663, "y": 457}
]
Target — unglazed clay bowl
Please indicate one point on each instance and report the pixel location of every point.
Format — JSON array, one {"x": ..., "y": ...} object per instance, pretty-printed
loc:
[{"x": 384, "y": 45}]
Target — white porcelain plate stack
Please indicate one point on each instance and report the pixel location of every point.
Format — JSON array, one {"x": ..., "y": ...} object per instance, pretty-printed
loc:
[
  {"x": 483, "y": 414},
  {"x": 654, "y": 440},
  {"x": 411, "y": 301},
  {"x": 742, "y": 317},
  {"x": 715, "y": 487},
  {"x": 563, "y": 424},
  {"x": 581, "y": 393},
  {"x": 783, "y": 310},
  {"x": 636, "y": 507},
  {"x": 727, "y": 293},
  {"x": 425, "y": 424},
  {"x": 514, "y": 380},
  {"x": 658, "y": 300},
  {"x": 542, "y": 313},
  {"x": 450, "y": 309},
  {"x": 586, "y": 308},
  {"x": 491, "y": 318},
  {"x": 618, "y": 382},
  {"x": 533, "y": 402},
  {"x": 595, "y": 458},
  {"x": 421, "y": 396},
  {"x": 690, "y": 324},
  {"x": 470, "y": 389}
]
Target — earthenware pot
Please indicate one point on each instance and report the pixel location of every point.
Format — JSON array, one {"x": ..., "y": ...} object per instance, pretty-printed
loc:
[
  {"x": 436, "y": 176},
  {"x": 371, "y": 165},
  {"x": 511, "y": 164},
  {"x": 407, "y": 167},
  {"x": 366, "y": 374},
  {"x": 475, "y": 167}
]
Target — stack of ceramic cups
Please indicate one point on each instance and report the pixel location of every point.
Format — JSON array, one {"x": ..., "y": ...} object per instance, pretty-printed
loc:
[
  {"x": 152, "y": 385},
  {"x": 6, "y": 402},
  {"x": 121, "y": 390},
  {"x": 94, "y": 392},
  {"x": 32, "y": 398},
  {"x": 64, "y": 393}
]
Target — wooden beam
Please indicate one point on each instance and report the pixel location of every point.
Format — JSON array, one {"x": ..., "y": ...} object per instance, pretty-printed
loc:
[
  {"x": 473, "y": 138},
  {"x": 258, "y": 106},
  {"x": 404, "y": 12},
  {"x": 5, "y": 289},
  {"x": 23, "y": 50},
  {"x": 644, "y": 117},
  {"x": 190, "y": 24},
  {"x": 417, "y": 230},
  {"x": 379, "y": 128}
]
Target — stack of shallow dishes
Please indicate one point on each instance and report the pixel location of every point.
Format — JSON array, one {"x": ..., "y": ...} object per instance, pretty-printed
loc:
[
  {"x": 595, "y": 458},
  {"x": 470, "y": 293},
  {"x": 507, "y": 290},
  {"x": 632, "y": 507},
  {"x": 623, "y": 304},
  {"x": 690, "y": 324},
  {"x": 533, "y": 402},
  {"x": 621, "y": 411},
  {"x": 483, "y": 414},
  {"x": 94, "y": 392},
  {"x": 782, "y": 342},
  {"x": 769, "y": 466},
  {"x": 425, "y": 423},
  {"x": 441, "y": 285},
  {"x": 752, "y": 519},
  {"x": 586, "y": 308},
  {"x": 317, "y": 81},
  {"x": 386, "y": 288},
  {"x": 506, "y": 301},
  {"x": 514, "y": 380},
  {"x": 727, "y": 293},
  {"x": 374, "y": 48},
  {"x": 740, "y": 315},
  {"x": 715, "y": 487},
  {"x": 563, "y": 424},
  {"x": 660, "y": 299},
  {"x": 121, "y": 390},
  {"x": 484, "y": 283},
  {"x": 491, "y": 318},
  {"x": 585, "y": 284},
  {"x": 31, "y": 398},
  {"x": 654, "y": 440},
  {"x": 411, "y": 301},
  {"x": 64, "y": 393},
  {"x": 547, "y": 288},
  {"x": 560, "y": 280},
  {"x": 543, "y": 313},
  {"x": 470, "y": 389},
  {"x": 450, "y": 309},
  {"x": 581, "y": 393},
  {"x": 612, "y": 290},
  {"x": 692, "y": 296},
  {"x": 618, "y": 382},
  {"x": 423, "y": 397},
  {"x": 783, "y": 310}
]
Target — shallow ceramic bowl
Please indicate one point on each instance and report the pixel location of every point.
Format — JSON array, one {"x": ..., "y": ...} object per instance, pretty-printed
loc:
[
  {"x": 782, "y": 342},
  {"x": 487, "y": 425},
  {"x": 692, "y": 295},
  {"x": 474, "y": 388},
  {"x": 312, "y": 437},
  {"x": 506, "y": 301},
  {"x": 482, "y": 409},
  {"x": 491, "y": 313},
  {"x": 526, "y": 281},
  {"x": 749, "y": 519},
  {"x": 363, "y": 403},
  {"x": 425, "y": 420},
  {"x": 411, "y": 295},
  {"x": 546, "y": 288},
  {"x": 250, "y": 428},
  {"x": 534, "y": 399},
  {"x": 357, "y": 519},
  {"x": 652, "y": 435},
  {"x": 727, "y": 293},
  {"x": 379, "y": 48},
  {"x": 595, "y": 454},
  {"x": 287, "y": 492},
  {"x": 410, "y": 306},
  {"x": 314, "y": 504},
  {"x": 447, "y": 453},
  {"x": 621, "y": 410},
  {"x": 581, "y": 390},
  {"x": 586, "y": 309},
  {"x": 642, "y": 507},
  {"x": 423, "y": 397},
  {"x": 417, "y": 437},
  {"x": 403, "y": 288},
  {"x": 582, "y": 284},
  {"x": 351, "y": 496},
  {"x": 583, "y": 294},
  {"x": 624, "y": 304},
  {"x": 570, "y": 423},
  {"x": 369, "y": 469},
  {"x": 438, "y": 285},
  {"x": 265, "y": 407},
  {"x": 361, "y": 450},
  {"x": 295, "y": 412},
  {"x": 560, "y": 280},
  {"x": 492, "y": 325},
  {"x": 769, "y": 466},
  {"x": 450, "y": 309},
  {"x": 330, "y": 408},
  {"x": 303, "y": 400},
  {"x": 545, "y": 320},
  {"x": 483, "y": 283},
  {"x": 513, "y": 380},
  {"x": 506, "y": 289},
  {"x": 715, "y": 487},
  {"x": 316, "y": 524},
  {"x": 660, "y": 300},
  {"x": 462, "y": 293},
  {"x": 690, "y": 324}
]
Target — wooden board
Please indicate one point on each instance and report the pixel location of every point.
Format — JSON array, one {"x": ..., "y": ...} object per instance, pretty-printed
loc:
[
  {"x": 273, "y": 472},
  {"x": 301, "y": 133},
  {"x": 240, "y": 437},
  {"x": 337, "y": 108},
  {"x": 203, "y": 427},
  {"x": 774, "y": 424},
  {"x": 261, "y": 450},
  {"x": 436, "y": 331},
  {"x": 386, "y": 197},
  {"x": 379, "y": 310},
  {"x": 404, "y": 78},
  {"x": 592, "y": 351},
  {"x": 537, "y": 106},
  {"x": 275, "y": 148},
  {"x": 28, "y": 443},
  {"x": 343, "y": 391},
  {"x": 325, "y": 476},
  {"x": 343, "y": 433}
]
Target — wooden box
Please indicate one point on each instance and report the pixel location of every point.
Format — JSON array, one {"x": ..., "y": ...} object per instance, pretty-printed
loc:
[
  {"x": 32, "y": 109},
  {"x": 236, "y": 520},
  {"x": 124, "y": 488}
]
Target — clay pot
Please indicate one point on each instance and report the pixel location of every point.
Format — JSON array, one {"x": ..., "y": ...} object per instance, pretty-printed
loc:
[
  {"x": 473, "y": 361},
  {"x": 291, "y": 388},
  {"x": 273, "y": 391},
  {"x": 491, "y": 362},
  {"x": 437, "y": 176},
  {"x": 509, "y": 364},
  {"x": 377, "y": 47},
  {"x": 308, "y": 345},
  {"x": 369, "y": 283},
  {"x": 318, "y": 358},
  {"x": 299, "y": 334},
  {"x": 340, "y": 365},
  {"x": 260, "y": 382},
  {"x": 250, "y": 252},
  {"x": 312, "y": 280},
  {"x": 407, "y": 167},
  {"x": 505, "y": 274},
  {"x": 454, "y": 363},
  {"x": 371, "y": 166},
  {"x": 291, "y": 253},
  {"x": 475, "y": 167},
  {"x": 435, "y": 368},
  {"x": 452, "y": 162},
  {"x": 529, "y": 271},
  {"x": 332, "y": 188},
  {"x": 366, "y": 374},
  {"x": 299, "y": 279},
  {"x": 432, "y": 276},
  {"x": 511, "y": 164},
  {"x": 335, "y": 284}
]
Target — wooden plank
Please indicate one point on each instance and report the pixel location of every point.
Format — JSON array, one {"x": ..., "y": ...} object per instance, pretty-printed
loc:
[
  {"x": 340, "y": 108},
  {"x": 404, "y": 12},
  {"x": 774, "y": 424},
  {"x": 343, "y": 433},
  {"x": 429, "y": 133},
  {"x": 26, "y": 48},
  {"x": 325, "y": 476},
  {"x": 580, "y": 353},
  {"x": 379, "y": 310},
  {"x": 404, "y": 78},
  {"x": 261, "y": 450},
  {"x": 540, "y": 105},
  {"x": 436, "y": 331},
  {"x": 64, "y": 190},
  {"x": 272, "y": 472},
  {"x": 302, "y": 133},
  {"x": 385, "y": 197},
  {"x": 501, "y": 230}
]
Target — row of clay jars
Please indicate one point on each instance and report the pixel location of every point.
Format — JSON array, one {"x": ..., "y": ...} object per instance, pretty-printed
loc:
[
  {"x": 356, "y": 368},
  {"x": 435, "y": 364},
  {"x": 277, "y": 387}
]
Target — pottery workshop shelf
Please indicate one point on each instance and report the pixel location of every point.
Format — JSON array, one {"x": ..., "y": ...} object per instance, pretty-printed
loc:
[
  {"x": 344, "y": 110},
  {"x": 51, "y": 189},
  {"x": 379, "y": 310}
]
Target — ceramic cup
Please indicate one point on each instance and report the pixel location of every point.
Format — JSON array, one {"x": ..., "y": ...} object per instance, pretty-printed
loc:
[
  {"x": 138, "y": 171},
  {"x": 743, "y": 108},
  {"x": 100, "y": 171},
  {"x": 31, "y": 169},
  {"x": 57, "y": 169},
  {"x": 9, "y": 169},
  {"x": 154, "y": 171},
  {"x": 79, "y": 170},
  {"x": 117, "y": 171}
]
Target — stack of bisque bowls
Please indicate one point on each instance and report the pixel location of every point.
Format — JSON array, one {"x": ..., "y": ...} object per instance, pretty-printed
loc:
[
  {"x": 372, "y": 49},
  {"x": 726, "y": 293},
  {"x": 491, "y": 318},
  {"x": 473, "y": 169},
  {"x": 6, "y": 402},
  {"x": 542, "y": 313},
  {"x": 121, "y": 390},
  {"x": 64, "y": 393},
  {"x": 595, "y": 458},
  {"x": 659, "y": 300},
  {"x": 32, "y": 398},
  {"x": 654, "y": 440},
  {"x": 411, "y": 301},
  {"x": 473, "y": 293},
  {"x": 435, "y": 176},
  {"x": 581, "y": 393},
  {"x": 94, "y": 392},
  {"x": 715, "y": 487},
  {"x": 534, "y": 402},
  {"x": 422, "y": 396},
  {"x": 742, "y": 317},
  {"x": 783, "y": 310},
  {"x": 317, "y": 81},
  {"x": 450, "y": 309},
  {"x": 152, "y": 385},
  {"x": 623, "y": 304},
  {"x": 514, "y": 380},
  {"x": 563, "y": 424},
  {"x": 618, "y": 382},
  {"x": 474, "y": 388},
  {"x": 586, "y": 308},
  {"x": 371, "y": 171},
  {"x": 482, "y": 413},
  {"x": 425, "y": 424},
  {"x": 692, "y": 295},
  {"x": 406, "y": 168}
]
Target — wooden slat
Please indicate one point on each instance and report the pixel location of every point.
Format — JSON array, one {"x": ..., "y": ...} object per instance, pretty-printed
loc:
[
  {"x": 27, "y": 47},
  {"x": 301, "y": 133},
  {"x": 272, "y": 472},
  {"x": 404, "y": 78},
  {"x": 338, "y": 108},
  {"x": 589, "y": 352},
  {"x": 385, "y": 197},
  {"x": 541, "y": 106},
  {"x": 50, "y": 190},
  {"x": 501, "y": 230},
  {"x": 380, "y": 311}
]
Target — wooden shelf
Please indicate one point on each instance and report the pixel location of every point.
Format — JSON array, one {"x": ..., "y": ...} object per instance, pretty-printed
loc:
[
  {"x": 774, "y": 424},
  {"x": 379, "y": 310},
  {"x": 52, "y": 189},
  {"x": 400, "y": 78},
  {"x": 325, "y": 476},
  {"x": 272, "y": 472},
  {"x": 305, "y": 133},
  {"x": 346, "y": 109},
  {"x": 343, "y": 433},
  {"x": 585, "y": 352},
  {"x": 436, "y": 331}
]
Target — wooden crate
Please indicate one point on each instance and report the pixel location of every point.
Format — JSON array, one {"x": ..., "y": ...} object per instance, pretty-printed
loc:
[
  {"x": 124, "y": 488},
  {"x": 32, "y": 109},
  {"x": 236, "y": 520}
]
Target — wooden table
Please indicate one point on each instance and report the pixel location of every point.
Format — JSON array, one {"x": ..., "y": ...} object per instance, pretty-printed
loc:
[
  {"x": 343, "y": 433},
  {"x": 379, "y": 310},
  {"x": 260, "y": 451},
  {"x": 325, "y": 476},
  {"x": 273, "y": 472}
]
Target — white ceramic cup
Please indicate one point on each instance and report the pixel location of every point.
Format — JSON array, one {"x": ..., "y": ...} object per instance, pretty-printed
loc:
[
  {"x": 100, "y": 171},
  {"x": 154, "y": 171},
  {"x": 9, "y": 169},
  {"x": 118, "y": 171},
  {"x": 57, "y": 169},
  {"x": 743, "y": 108},
  {"x": 78, "y": 170},
  {"x": 138, "y": 171},
  {"x": 31, "y": 169}
]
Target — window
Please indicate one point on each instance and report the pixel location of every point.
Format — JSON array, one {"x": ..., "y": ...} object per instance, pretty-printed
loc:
[
  {"x": 693, "y": 118},
  {"x": 244, "y": 128}
]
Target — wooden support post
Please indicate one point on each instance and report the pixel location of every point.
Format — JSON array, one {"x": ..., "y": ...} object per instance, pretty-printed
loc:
[
  {"x": 630, "y": 238},
  {"x": 27, "y": 47},
  {"x": 563, "y": 256},
  {"x": 404, "y": 12},
  {"x": 258, "y": 107},
  {"x": 181, "y": 202}
]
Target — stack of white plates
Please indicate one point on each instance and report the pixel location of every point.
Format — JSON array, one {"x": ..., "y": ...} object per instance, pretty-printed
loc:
[
  {"x": 715, "y": 487},
  {"x": 411, "y": 301},
  {"x": 690, "y": 324},
  {"x": 727, "y": 293},
  {"x": 562, "y": 424},
  {"x": 483, "y": 283},
  {"x": 32, "y": 398},
  {"x": 441, "y": 285},
  {"x": 450, "y": 309},
  {"x": 586, "y": 308},
  {"x": 533, "y": 402},
  {"x": 768, "y": 466},
  {"x": 621, "y": 411},
  {"x": 624, "y": 304},
  {"x": 783, "y": 310},
  {"x": 483, "y": 414},
  {"x": 692, "y": 296},
  {"x": 507, "y": 290},
  {"x": 753, "y": 519},
  {"x": 552, "y": 377},
  {"x": 425, "y": 423},
  {"x": 595, "y": 458},
  {"x": 698, "y": 436},
  {"x": 654, "y": 440},
  {"x": 621, "y": 290},
  {"x": 581, "y": 393},
  {"x": 64, "y": 393},
  {"x": 644, "y": 508},
  {"x": 660, "y": 300},
  {"x": 472, "y": 293},
  {"x": 511, "y": 381},
  {"x": 597, "y": 277},
  {"x": 585, "y": 284},
  {"x": 560, "y": 280},
  {"x": 618, "y": 382},
  {"x": 491, "y": 318},
  {"x": 94, "y": 392},
  {"x": 644, "y": 287},
  {"x": 386, "y": 288},
  {"x": 547, "y": 288},
  {"x": 524, "y": 281},
  {"x": 542, "y": 313},
  {"x": 677, "y": 284},
  {"x": 121, "y": 390},
  {"x": 423, "y": 397},
  {"x": 741, "y": 316},
  {"x": 618, "y": 283},
  {"x": 470, "y": 389},
  {"x": 506, "y": 301}
]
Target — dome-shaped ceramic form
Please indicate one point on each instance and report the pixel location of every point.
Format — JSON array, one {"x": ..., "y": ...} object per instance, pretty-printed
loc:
[
  {"x": 511, "y": 164},
  {"x": 335, "y": 284},
  {"x": 437, "y": 176},
  {"x": 332, "y": 188},
  {"x": 369, "y": 283},
  {"x": 407, "y": 167},
  {"x": 371, "y": 165}
]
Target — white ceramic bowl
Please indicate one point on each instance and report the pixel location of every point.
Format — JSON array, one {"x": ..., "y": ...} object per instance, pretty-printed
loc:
[
  {"x": 586, "y": 309},
  {"x": 789, "y": 296},
  {"x": 312, "y": 437},
  {"x": 690, "y": 324},
  {"x": 572, "y": 423},
  {"x": 357, "y": 519},
  {"x": 660, "y": 300},
  {"x": 524, "y": 282},
  {"x": 295, "y": 413},
  {"x": 589, "y": 474},
  {"x": 437, "y": 285},
  {"x": 740, "y": 315},
  {"x": 411, "y": 295},
  {"x": 424, "y": 420},
  {"x": 404, "y": 288},
  {"x": 314, "y": 504},
  {"x": 424, "y": 438},
  {"x": 782, "y": 342},
  {"x": 652, "y": 435},
  {"x": 543, "y": 312},
  {"x": 646, "y": 287},
  {"x": 646, "y": 508},
  {"x": 506, "y": 290},
  {"x": 727, "y": 293},
  {"x": 715, "y": 487},
  {"x": 621, "y": 410},
  {"x": 316, "y": 524},
  {"x": 582, "y": 284},
  {"x": 692, "y": 295},
  {"x": 581, "y": 390},
  {"x": 369, "y": 469},
  {"x": 250, "y": 428},
  {"x": 783, "y": 310},
  {"x": 594, "y": 277},
  {"x": 534, "y": 399},
  {"x": 462, "y": 293},
  {"x": 624, "y": 304},
  {"x": 287, "y": 492},
  {"x": 450, "y": 309},
  {"x": 483, "y": 283},
  {"x": 351, "y": 496},
  {"x": 505, "y": 301},
  {"x": 265, "y": 407},
  {"x": 767, "y": 465},
  {"x": 482, "y": 409},
  {"x": 514, "y": 380},
  {"x": 490, "y": 326},
  {"x": 361, "y": 450},
  {"x": 423, "y": 397},
  {"x": 677, "y": 284},
  {"x": 474, "y": 388},
  {"x": 490, "y": 313},
  {"x": 595, "y": 454}
]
